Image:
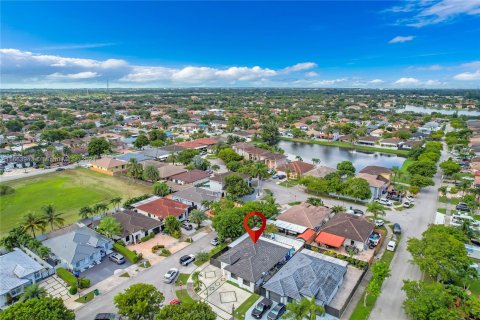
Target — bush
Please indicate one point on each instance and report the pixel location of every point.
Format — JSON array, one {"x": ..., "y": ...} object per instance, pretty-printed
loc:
[
  {"x": 176, "y": 234},
  {"x": 202, "y": 257},
  {"x": 148, "y": 237},
  {"x": 165, "y": 253},
  {"x": 4, "y": 190},
  {"x": 130, "y": 255},
  {"x": 131, "y": 201},
  {"x": 72, "y": 290},
  {"x": 67, "y": 276},
  {"x": 84, "y": 283},
  {"x": 453, "y": 190},
  {"x": 157, "y": 247}
]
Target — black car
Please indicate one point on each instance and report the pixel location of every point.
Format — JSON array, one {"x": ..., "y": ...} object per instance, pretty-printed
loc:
[
  {"x": 59, "y": 169},
  {"x": 107, "y": 316},
  {"x": 462, "y": 206},
  {"x": 187, "y": 226},
  {"x": 397, "y": 229},
  {"x": 261, "y": 308},
  {"x": 277, "y": 312},
  {"x": 186, "y": 260},
  {"x": 394, "y": 197}
]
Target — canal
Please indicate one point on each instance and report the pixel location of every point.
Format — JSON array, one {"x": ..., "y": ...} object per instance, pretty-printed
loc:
[{"x": 330, "y": 156}]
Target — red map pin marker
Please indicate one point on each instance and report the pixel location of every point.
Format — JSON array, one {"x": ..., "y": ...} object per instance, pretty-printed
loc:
[{"x": 254, "y": 234}]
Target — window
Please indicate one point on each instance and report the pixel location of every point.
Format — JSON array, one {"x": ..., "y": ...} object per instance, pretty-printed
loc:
[
  {"x": 246, "y": 283},
  {"x": 233, "y": 276},
  {"x": 15, "y": 292}
]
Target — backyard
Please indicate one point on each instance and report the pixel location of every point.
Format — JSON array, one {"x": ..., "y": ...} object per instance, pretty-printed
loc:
[{"x": 67, "y": 191}]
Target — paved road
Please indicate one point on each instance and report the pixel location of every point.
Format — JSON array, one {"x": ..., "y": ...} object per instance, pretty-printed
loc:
[
  {"x": 154, "y": 275},
  {"x": 6, "y": 177},
  {"x": 413, "y": 221}
]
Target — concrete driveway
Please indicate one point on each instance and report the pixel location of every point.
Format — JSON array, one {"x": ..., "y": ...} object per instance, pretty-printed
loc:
[{"x": 104, "y": 270}]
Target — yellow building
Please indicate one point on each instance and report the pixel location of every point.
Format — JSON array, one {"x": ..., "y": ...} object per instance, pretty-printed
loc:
[{"x": 109, "y": 166}]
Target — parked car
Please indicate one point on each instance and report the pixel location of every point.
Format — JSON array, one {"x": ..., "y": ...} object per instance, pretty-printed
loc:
[
  {"x": 187, "y": 259},
  {"x": 410, "y": 198},
  {"x": 394, "y": 197},
  {"x": 374, "y": 238},
  {"x": 215, "y": 242},
  {"x": 379, "y": 223},
  {"x": 397, "y": 229},
  {"x": 462, "y": 206},
  {"x": 281, "y": 176},
  {"x": 107, "y": 316},
  {"x": 170, "y": 276},
  {"x": 187, "y": 226},
  {"x": 59, "y": 169},
  {"x": 356, "y": 212},
  {"x": 277, "y": 312},
  {"x": 384, "y": 202},
  {"x": 407, "y": 204},
  {"x": 117, "y": 258},
  {"x": 391, "y": 245},
  {"x": 261, "y": 308},
  {"x": 176, "y": 301}
]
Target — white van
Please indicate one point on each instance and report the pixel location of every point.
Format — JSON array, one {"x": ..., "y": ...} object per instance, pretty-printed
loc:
[{"x": 391, "y": 245}]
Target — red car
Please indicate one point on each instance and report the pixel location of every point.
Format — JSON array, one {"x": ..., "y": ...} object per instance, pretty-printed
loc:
[{"x": 175, "y": 301}]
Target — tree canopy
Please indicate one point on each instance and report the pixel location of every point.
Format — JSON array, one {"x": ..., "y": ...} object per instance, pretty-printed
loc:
[
  {"x": 44, "y": 308},
  {"x": 139, "y": 301},
  {"x": 192, "y": 311}
]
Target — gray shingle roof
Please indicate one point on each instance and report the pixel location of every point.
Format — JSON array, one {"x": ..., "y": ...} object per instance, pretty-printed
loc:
[
  {"x": 14, "y": 266},
  {"x": 196, "y": 194},
  {"x": 249, "y": 261},
  {"x": 308, "y": 274},
  {"x": 76, "y": 245}
]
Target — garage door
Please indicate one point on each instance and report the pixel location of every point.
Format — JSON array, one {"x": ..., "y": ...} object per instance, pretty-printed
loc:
[{"x": 274, "y": 296}]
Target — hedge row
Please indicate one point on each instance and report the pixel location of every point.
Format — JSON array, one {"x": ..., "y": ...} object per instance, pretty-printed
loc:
[
  {"x": 130, "y": 255},
  {"x": 67, "y": 276}
]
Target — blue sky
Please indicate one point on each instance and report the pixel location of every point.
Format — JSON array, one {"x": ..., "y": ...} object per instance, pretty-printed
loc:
[{"x": 404, "y": 44}]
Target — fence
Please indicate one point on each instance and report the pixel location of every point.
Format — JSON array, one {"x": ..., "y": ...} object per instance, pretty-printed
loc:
[{"x": 213, "y": 259}]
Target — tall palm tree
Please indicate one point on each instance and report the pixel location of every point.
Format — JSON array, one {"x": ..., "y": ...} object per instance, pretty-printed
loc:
[
  {"x": 297, "y": 310},
  {"x": 197, "y": 283},
  {"x": 33, "y": 292},
  {"x": 52, "y": 217},
  {"x": 134, "y": 169},
  {"x": 375, "y": 208},
  {"x": 100, "y": 207},
  {"x": 32, "y": 222},
  {"x": 314, "y": 310},
  {"x": 116, "y": 202},
  {"x": 85, "y": 212}
]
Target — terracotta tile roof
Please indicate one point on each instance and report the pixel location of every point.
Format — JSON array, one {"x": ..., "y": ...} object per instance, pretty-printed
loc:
[
  {"x": 163, "y": 207},
  {"x": 197, "y": 143},
  {"x": 191, "y": 176},
  {"x": 330, "y": 239},
  {"x": 299, "y": 167},
  {"x": 373, "y": 180},
  {"x": 376, "y": 170},
  {"x": 107, "y": 163},
  {"x": 349, "y": 226},
  {"x": 307, "y": 235},
  {"x": 305, "y": 215}
]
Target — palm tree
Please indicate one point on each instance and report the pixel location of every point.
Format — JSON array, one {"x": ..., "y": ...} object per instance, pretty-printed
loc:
[
  {"x": 298, "y": 158},
  {"x": 52, "y": 217},
  {"x": 297, "y": 310},
  {"x": 116, "y": 202},
  {"x": 100, "y": 207},
  {"x": 443, "y": 190},
  {"x": 375, "y": 208},
  {"x": 85, "y": 212},
  {"x": 396, "y": 173},
  {"x": 33, "y": 292},
  {"x": 314, "y": 310},
  {"x": 33, "y": 221},
  {"x": 197, "y": 283},
  {"x": 134, "y": 169},
  {"x": 206, "y": 204},
  {"x": 337, "y": 209},
  {"x": 316, "y": 161}
]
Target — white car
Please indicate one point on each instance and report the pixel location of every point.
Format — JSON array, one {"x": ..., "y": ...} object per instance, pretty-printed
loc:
[
  {"x": 170, "y": 276},
  {"x": 407, "y": 204},
  {"x": 379, "y": 223},
  {"x": 391, "y": 245},
  {"x": 384, "y": 202},
  {"x": 410, "y": 198}
]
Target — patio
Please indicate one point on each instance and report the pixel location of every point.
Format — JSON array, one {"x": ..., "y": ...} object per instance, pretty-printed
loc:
[
  {"x": 145, "y": 248},
  {"x": 55, "y": 287}
]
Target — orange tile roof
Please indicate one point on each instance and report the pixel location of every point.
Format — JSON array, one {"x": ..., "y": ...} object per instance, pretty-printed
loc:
[
  {"x": 163, "y": 207},
  {"x": 330, "y": 239},
  {"x": 307, "y": 235}
]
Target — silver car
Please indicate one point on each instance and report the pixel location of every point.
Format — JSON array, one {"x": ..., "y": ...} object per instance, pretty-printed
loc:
[
  {"x": 170, "y": 276},
  {"x": 117, "y": 258}
]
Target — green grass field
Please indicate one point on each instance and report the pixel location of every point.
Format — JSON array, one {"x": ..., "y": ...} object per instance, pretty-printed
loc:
[{"x": 68, "y": 191}]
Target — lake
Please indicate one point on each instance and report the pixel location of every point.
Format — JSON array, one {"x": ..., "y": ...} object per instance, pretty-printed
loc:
[
  {"x": 330, "y": 156},
  {"x": 415, "y": 109}
]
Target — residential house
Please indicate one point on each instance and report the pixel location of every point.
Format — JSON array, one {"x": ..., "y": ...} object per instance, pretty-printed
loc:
[
  {"x": 165, "y": 170},
  {"x": 377, "y": 133},
  {"x": 247, "y": 263},
  {"x": 79, "y": 249},
  {"x": 195, "y": 177},
  {"x": 392, "y": 143},
  {"x": 250, "y": 152},
  {"x": 307, "y": 274},
  {"x": 217, "y": 182},
  {"x": 345, "y": 229},
  {"x": 409, "y": 144},
  {"x": 297, "y": 219},
  {"x": 367, "y": 141},
  {"x": 301, "y": 125},
  {"x": 160, "y": 208},
  {"x": 320, "y": 172},
  {"x": 140, "y": 157},
  {"x": 195, "y": 197},
  {"x": 136, "y": 225},
  {"x": 108, "y": 166},
  {"x": 430, "y": 127},
  {"x": 296, "y": 169},
  {"x": 17, "y": 271},
  {"x": 156, "y": 153}
]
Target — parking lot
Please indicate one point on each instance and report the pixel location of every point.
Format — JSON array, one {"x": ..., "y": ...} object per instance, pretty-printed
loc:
[{"x": 103, "y": 270}]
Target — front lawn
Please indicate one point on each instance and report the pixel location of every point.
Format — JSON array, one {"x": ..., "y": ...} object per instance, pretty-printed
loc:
[
  {"x": 86, "y": 298},
  {"x": 67, "y": 191},
  {"x": 288, "y": 183},
  {"x": 243, "y": 308},
  {"x": 183, "y": 296},
  {"x": 182, "y": 279}
]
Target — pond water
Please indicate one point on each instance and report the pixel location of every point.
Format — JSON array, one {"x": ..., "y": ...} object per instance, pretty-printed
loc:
[
  {"x": 416, "y": 109},
  {"x": 331, "y": 156}
]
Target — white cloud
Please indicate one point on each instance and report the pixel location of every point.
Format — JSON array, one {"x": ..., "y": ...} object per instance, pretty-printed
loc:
[
  {"x": 427, "y": 12},
  {"x": 472, "y": 65},
  {"x": 401, "y": 39},
  {"x": 376, "y": 81},
  {"x": 300, "y": 67},
  {"x": 433, "y": 67},
  {"x": 407, "y": 81},
  {"x": 468, "y": 76},
  {"x": 72, "y": 76}
]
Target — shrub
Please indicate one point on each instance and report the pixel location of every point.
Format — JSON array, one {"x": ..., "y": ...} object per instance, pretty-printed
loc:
[
  {"x": 4, "y": 190},
  {"x": 453, "y": 190},
  {"x": 130, "y": 255},
  {"x": 84, "y": 283},
  {"x": 202, "y": 257},
  {"x": 72, "y": 290},
  {"x": 131, "y": 201},
  {"x": 67, "y": 276},
  {"x": 176, "y": 234},
  {"x": 165, "y": 253},
  {"x": 157, "y": 247},
  {"x": 148, "y": 237}
]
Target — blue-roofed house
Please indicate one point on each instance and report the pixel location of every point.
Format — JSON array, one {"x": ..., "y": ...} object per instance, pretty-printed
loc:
[
  {"x": 132, "y": 155},
  {"x": 307, "y": 274},
  {"x": 17, "y": 271},
  {"x": 79, "y": 249},
  {"x": 430, "y": 127}
]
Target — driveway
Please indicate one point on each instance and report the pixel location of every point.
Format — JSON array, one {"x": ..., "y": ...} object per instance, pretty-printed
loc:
[
  {"x": 55, "y": 287},
  {"x": 104, "y": 270},
  {"x": 153, "y": 275}
]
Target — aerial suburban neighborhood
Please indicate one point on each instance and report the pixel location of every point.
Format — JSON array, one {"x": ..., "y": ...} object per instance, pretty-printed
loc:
[{"x": 240, "y": 160}]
